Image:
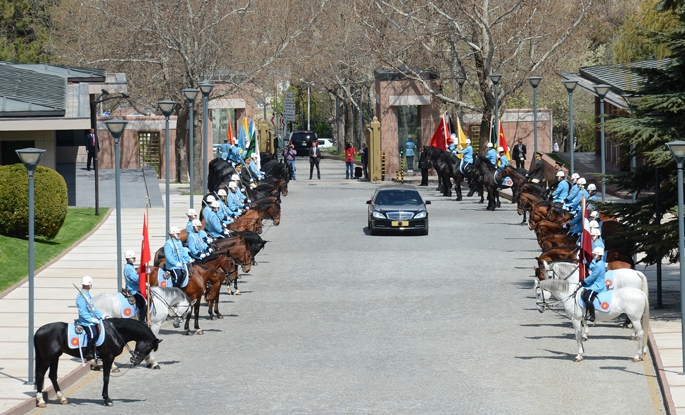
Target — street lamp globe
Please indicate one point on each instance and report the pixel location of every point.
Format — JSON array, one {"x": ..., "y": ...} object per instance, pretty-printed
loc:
[
  {"x": 116, "y": 128},
  {"x": 30, "y": 157},
  {"x": 535, "y": 81},
  {"x": 167, "y": 107},
  {"x": 206, "y": 87},
  {"x": 495, "y": 77},
  {"x": 602, "y": 90},
  {"x": 677, "y": 150},
  {"x": 570, "y": 85},
  {"x": 190, "y": 94}
]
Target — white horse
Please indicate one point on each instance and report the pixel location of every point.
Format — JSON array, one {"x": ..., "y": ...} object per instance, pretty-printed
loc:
[
  {"x": 629, "y": 300},
  {"x": 165, "y": 302},
  {"x": 623, "y": 277}
]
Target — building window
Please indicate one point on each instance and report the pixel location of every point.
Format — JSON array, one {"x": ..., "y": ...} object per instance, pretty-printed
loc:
[{"x": 148, "y": 145}]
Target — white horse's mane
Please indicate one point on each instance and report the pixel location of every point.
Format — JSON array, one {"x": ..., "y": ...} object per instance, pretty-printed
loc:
[{"x": 555, "y": 285}]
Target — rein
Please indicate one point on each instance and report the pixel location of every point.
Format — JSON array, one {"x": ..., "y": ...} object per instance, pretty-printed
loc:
[{"x": 169, "y": 306}]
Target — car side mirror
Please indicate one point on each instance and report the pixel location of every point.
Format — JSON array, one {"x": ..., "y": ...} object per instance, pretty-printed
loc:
[
  {"x": 428, "y": 202},
  {"x": 368, "y": 202}
]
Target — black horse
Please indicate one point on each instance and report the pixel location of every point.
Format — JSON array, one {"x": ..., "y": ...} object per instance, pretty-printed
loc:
[
  {"x": 448, "y": 166},
  {"x": 487, "y": 172},
  {"x": 51, "y": 340},
  {"x": 220, "y": 171}
]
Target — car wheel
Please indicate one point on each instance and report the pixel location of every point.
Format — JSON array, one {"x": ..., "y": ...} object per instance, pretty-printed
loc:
[{"x": 372, "y": 231}]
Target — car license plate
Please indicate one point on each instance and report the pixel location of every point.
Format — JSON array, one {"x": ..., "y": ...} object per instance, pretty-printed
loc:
[{"x": 400, "y": 223}]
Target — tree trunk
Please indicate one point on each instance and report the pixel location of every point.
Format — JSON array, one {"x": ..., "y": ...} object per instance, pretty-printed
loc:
[{"x": 181, "y": 144}]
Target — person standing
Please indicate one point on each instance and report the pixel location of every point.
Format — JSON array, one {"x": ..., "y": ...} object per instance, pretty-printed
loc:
[
  {"x": 314, "y": 157},
  {"x": 225, "y": 149},
  {"x": 289, "y": 154},
  {"x": 409, "y": 148},
  {"x": 365, "y": 160},
  {"x": 92, "y": 147},
  {"x": 349, "y": 160},
  {"x": 519, "y": 154},
  {"x": 88, "y": 316},
  {"x": 537, "y": 173},
  {"x": 132, "y": 286},
  {"x": 423, "y": 165}
]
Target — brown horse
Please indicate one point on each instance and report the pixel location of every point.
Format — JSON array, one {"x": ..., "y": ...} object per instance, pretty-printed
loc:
[
  {"x": 518, "y": 176},
  {"x": 545, "y": 228},
  {"x": 211, "y": 271},
  {"x": 271, "y": 208},
  {"x": 551, "y": 241},
  {"x": 239, "y": 250},
  {"x": 525, "y": 203},
  {"x": 248, "y": 221}
]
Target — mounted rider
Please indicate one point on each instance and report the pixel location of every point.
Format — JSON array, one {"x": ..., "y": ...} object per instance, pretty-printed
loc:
[
  {"x": 536, "y": 175},
  {"x": 198, "y": 242},
  {"x": 88, "y": 316},
  {"x": 254, "y": 168},
  {"x": 192, "y": 215},
  {"x": 468, "y": 157},
  {"x": 592, "y": 196},
  {"x": 225, "y": 149},
  {"x": 213, "y": 224},
  {"x": 450, "y": 144},
  {"x": 595, "y": 283},
  {"x": 574, "y": 188},
  {"x": 491, "y": 154},
  {"x": 235, "y": 203},
  {"x": 132, "y": 284},
  {"x": 240, "y": 191},
  {"x": 207, "y": 210},
  {"x": 177, "y": 259},
  {"x": 248, "y": 178},
  {"x": 502, "y": 160},
  {"x": 596, "y": 238},
  {"x": 234, "y": 153},
  {"x": 561, "y": 192},
  {"x": 574, "y": 206},
  {"x": 225, "y": 214}
]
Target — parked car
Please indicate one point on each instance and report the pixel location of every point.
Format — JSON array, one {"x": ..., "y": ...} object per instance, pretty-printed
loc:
[
  {"x": 325, "y": 142},
  {"x": 303, "y": 141},
  {"x": 397, "y": 208}
]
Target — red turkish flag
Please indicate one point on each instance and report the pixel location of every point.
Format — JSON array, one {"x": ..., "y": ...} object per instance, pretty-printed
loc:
[
  {"x": 144, "y": 258},
  {"x": 442, "y": 133},
  {"x": 585, "y": 252}
]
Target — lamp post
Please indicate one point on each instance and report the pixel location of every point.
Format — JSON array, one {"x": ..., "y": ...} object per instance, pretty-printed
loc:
[
  {"x": 191, "y": 94},
  {"x": 534, "y": 82},
  {"x": 206, "y": 88},
  {"x": 602, "y": 90},
  {"x": 116, "y": 128},
  {"x": 308, "y": 108},
  {"x": 167, "y": 107},
  {"x": 30, "y": 157},
  {"x": 495, "y": 81},
  {"x": 460, "y": 80},
  {"x": 678, "y": 151},
  {"x": 570, "y": 86}
]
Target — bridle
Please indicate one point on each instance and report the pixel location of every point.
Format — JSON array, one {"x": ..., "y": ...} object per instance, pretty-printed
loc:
[{"x": 170, "y": 309}]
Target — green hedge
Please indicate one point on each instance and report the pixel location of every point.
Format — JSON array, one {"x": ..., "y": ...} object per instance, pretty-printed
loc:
[{"x": 50, "y": 201}]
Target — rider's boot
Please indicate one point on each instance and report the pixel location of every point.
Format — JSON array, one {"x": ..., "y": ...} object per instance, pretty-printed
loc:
[
  {"x": 590, "y": 312},
  {"x": 472, "y": 189},
  {"x": 90, "y": 350}
]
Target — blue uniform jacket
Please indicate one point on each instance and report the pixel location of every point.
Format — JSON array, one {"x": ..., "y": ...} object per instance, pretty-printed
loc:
[
  {"x": 213, "y": 225},
  {"x": 595, "y": 281},
  {"x": 452, "y": 148},
  {"x": 575, "y": 204},
  {"x": 492, "y": 156},
  {"x": 235, "y": 203},
  {"x": 241, "y": 194},
  {"x": 597, "y": 243},
  {"x": 189, "y": 227},
  {"x": 591, "y": 206},
  {"x": 205, "y": 213},
  {"x": 225, "y": 213},
  {"x": 225, "y": 149},
  {"x": 176, "y": 255},
  {"x": 85, "y": 316},
  {"x": 409, "y": 148},
  {"x": 503, "y": 162},
  {"x": 468, "y": 154},
  {"x": 572, "y": 193},
  {"x": 132, "y": 278},
  {"x": 561, "y": 192},
  {"x": 196, "y": 244},
  {"x": 255, "y": 171}
]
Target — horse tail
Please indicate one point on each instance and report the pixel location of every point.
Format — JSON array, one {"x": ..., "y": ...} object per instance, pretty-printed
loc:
[
  {"x": 645, "y": 325},
  {"x": 644, "y": 286}
]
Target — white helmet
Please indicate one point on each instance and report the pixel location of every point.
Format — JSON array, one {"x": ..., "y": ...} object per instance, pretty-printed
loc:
[
  {"x": 581, "y": 181},
  {"x": 254, "y": 156},
  {"x": 468, "y": 140},
  {"x": 87, "y": 281},
  {"x": 591, "y": 187},
  {"x": 453, "y": 136},
  {"x": 232, "y": 185},
  {"x": 594, "y": 224},
  {"x": 594, "y": 214},
  {"x": 191, "y": 212},
  {"x": 235, "y": 178},
  {"x": 490, "y": 145},
  {"x": 130, "y": 255},
  {"x": 221, "y": 192},
  {"x": 500, "y": 149},
  {"x": 215, "y": 204},
  {"x": 560, "y": 173},
  {"x": 598, "y": 251},
  {"x": 197, "y": 223},
  {"x": 594, "y": 231},
  {"x": 174, "y": 231},
  {"x": 575, "y": 176},
  {"x": 210, "y": 199}
]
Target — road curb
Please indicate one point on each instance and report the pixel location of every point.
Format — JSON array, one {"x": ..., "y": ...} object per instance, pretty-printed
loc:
[
  {"x": 58, "y": 257},
  {"x": 661, "y": 376}
]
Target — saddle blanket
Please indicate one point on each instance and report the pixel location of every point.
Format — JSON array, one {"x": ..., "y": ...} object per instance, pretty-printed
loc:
[
  {"x": 507, "y": 182},
  {"x": 127, "y": 309},
  {"x": 603, "y": 300},
  {"x": 81, "y": 340},
  {"x": 167, "y": 282}
]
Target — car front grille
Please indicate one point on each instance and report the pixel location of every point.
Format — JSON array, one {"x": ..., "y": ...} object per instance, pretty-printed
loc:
[{"x": 399, "y": 215}]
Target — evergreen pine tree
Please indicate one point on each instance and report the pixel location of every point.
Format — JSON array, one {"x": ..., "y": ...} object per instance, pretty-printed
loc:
[{"x": 658, "y": 119}]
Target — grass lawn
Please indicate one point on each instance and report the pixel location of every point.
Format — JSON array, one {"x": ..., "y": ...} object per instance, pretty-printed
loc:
[{"x": 14, "y": 252}]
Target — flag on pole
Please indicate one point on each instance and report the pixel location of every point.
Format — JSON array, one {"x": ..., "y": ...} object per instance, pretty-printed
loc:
[
  {"x": 439, "y": 139},
  {"x": 502, "y": 141},
  {"x": 461, "y": 138},
  {"x": 230, "y": 131},
  {"x": 241, "y": 137},
  {"x": 585, "y": 252},
  {"x": 493, "y": 132},
  {"x": 144, "y": 258}
]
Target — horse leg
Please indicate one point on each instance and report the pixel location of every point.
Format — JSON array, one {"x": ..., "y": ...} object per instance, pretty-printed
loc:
[
  {"x": 235, "y": 285},
  {"x": 640, "y": 338},
  {"x": 187, "y": 325},
  {"x": 499, "y": 205},
  {"x": 524, "y": 217},
  {"x": 55, "y": 385},
  {"x": 151, "y": 360},
  {"x": 41, "y": 368},
  {"x": 216, "y": 301},
  {"x": 481, "y": 191},
  {"x": 197, "y": 318},
  {"x": 457, "y": 189},
  {"x": 106, "y": 368},
  {"x": 579, "y": 340},
  {"x": 447, "y": 186}
]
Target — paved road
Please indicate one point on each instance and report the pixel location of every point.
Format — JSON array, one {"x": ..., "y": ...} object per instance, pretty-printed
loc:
[{"x": 335, "y": 321}]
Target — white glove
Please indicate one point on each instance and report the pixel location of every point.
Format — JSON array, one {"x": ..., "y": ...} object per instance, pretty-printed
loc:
[
  {"x": 202, "y": 256},
  {"x": 210, "y": 250},
  {"x": 247, "y": 208},
  {"x": 192, "y": 260},
  {"x": 95, "y": 320},
  {"x": 105, "y": 317},
  {"x": 249, "y": 201}
]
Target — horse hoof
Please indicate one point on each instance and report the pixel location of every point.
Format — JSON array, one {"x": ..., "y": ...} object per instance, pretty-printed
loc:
[
  {"x": 584, "y": 338},
  {"x": 200, "y": 332},
  {"x": 638, "y": 359},
  {"x": 149, "y": 366},
  {"x": 219, "y": 316},
  {"x": 458, "y": 199},
  {"x": 40, "y": 404},
  {"x": 189, "y": 333},
  {"x": 64, "y": 401},
  {"x": 115, "y": 369},
  {"x": 213, "y": 318},
  {"x": 156, "y": 367},
  {"x": 230, "y": 293},
  {"x": 108, "y": 402},
  {"x": 578, "y": 358},
  {"x": 237, "y": 293}
]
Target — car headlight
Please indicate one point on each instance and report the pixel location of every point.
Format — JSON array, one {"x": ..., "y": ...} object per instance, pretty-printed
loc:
[
  {"x": 420, "y": 215},
  {"x": 377, "y": 215}
]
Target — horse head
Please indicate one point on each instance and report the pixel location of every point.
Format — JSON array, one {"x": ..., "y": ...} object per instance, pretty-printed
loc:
[{"x": 143, "y": 349}]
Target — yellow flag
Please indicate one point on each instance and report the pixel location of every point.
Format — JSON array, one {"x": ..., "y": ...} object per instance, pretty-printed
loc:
[{"x": 461, "y": 137}]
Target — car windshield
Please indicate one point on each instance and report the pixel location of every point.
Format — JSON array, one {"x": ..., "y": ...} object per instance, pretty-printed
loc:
[{"x": 398, "y": 197}]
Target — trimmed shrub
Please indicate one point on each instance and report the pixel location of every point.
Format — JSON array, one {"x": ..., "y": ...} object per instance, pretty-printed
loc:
[{"x": 50, "y": 201}]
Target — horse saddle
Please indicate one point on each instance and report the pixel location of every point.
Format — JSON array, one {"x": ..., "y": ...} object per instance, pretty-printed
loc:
[
  {"x": 602, "y": 301},
  {"x": 128, "y": 296},
  {"x": 505, "y": 181},
  {"x": 128, "y": 306},
  {"x": 78, "y": 338},
  {"x": 165, "y": 279}
]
